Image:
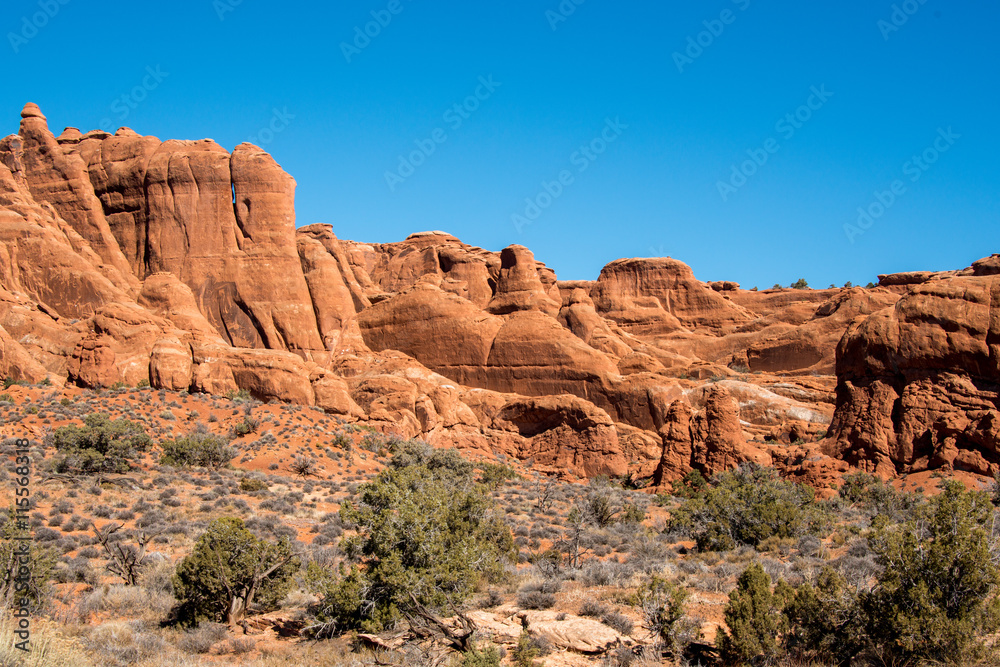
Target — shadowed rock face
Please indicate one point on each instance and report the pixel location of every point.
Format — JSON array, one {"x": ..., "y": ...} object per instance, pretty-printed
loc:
[{"x": 125, "y": 258}]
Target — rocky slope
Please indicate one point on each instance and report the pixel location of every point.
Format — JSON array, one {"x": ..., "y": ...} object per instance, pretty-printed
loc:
[{"x": 124, "y": 259}]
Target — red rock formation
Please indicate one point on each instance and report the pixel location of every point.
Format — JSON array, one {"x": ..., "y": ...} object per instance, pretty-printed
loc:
[
  {"x": 919, "y": 381},
  {"x": 565, "y": 433},
  {"x": 661, "y": 296},
  {"x": 60, "y": 179},
  {"x": 519, "y": 287},
  {"x": 710, "y": 441},
  {"x": 124, "y": 258}
]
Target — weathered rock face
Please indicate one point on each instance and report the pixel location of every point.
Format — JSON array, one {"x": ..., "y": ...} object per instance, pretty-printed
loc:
[
  {"x": 93, "y": 363},
  {"x": 710, "y": 441},
  {"x": 519, "y": 287},
  {"x": 124, "y": 258},
  {"x": 548, "y": 424},
  {"x": 661, "y": 296},
  {"x": 16, "y": 362},
  {"x": 442, "y": 330},
  {"x": 170, "y": 365},
  {"x": 920, "y": 382},
  {"x": 337, "y": 294},
  {"x": 468, "y": 272},
  {"x": 60, "y": 178},
  {"x": 573, "y": 633},
  {"x": 224, "y": 224},
  {"x": 533, "y": 354}
]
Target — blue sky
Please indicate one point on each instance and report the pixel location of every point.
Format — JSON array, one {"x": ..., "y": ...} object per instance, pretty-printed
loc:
[{"x": 278, "y": 73}]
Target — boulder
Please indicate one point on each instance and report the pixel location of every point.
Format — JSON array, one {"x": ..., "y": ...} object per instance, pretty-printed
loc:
[
  {"x": 572, "y": 633},
  {"x": 170, "y": 365}
]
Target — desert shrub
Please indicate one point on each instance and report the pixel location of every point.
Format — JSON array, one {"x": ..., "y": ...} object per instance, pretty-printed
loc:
[
  {"x": 49, "y": 646},
  {"x": 809, "y": 545},
  {"x": 100, "y": 445},
  {"x": 252, "y": 484},
  {"x": 825, "y": 623},
  {"x": 199, "y": 448},
  {"x": 304, "y": 467},
  {"x": 247, "y": 426},
  {"x": 874, "y": 495},
  {"x": 936, "y": 598},
  {"x": 592, "y": 607},
  {"x": 662, "y": 606},
  {"x": 238, "y": 396},
  {"x": 525, "y": 652},
  {"x": 279, "y": 505},
  {"x": 600, "y": 506},
  {"x": 536, "y": 599},
  {"x": 201, "y": 639},
  {"x": 493, "y": 599},
  {"x": 494, "y": 475},
  {"x": 753, "y": 616},
  {"x": 604, "y": 573},
  {"x": 124, "y": 601},
  {"x": 476, "y": 657},
  {"x": 632, "y": 513},
  {"x": 426, "y": 533},
  {"x": 408, "y": 453},
  {"x": 229, "y": 570},
  {"x": 158, "y": 578},
  {"x": 620, "y": 622},
  {"x": 747, "y": 506},
  {"x": 14, "y": 537},
  {"x": 375, "y": 443},
  {"x": 691, "y": 485},
  {"x": 123, "y": 644},
  {"x": 242, "y": 645},
  {"x": 346, "y": 600}
]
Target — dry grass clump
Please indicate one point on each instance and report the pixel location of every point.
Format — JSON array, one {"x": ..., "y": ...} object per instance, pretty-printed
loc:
[
  {"x": 125, "y": 643},
  {"x": 49, "y": 646},
  {"x": 134, "y": 602}
]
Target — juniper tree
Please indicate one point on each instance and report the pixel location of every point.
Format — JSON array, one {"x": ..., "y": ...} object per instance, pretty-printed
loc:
[{"x": 229, "y": 571}]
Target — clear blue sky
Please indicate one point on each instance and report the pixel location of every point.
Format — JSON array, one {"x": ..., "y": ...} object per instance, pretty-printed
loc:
[{"x": 655, "y": 188}]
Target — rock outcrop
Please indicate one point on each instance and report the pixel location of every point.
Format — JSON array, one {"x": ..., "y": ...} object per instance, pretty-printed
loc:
[
  {"x": 710, "y": 441},
  {"x": 919, "y": 383},
  {"x": 125, "y": 259}
]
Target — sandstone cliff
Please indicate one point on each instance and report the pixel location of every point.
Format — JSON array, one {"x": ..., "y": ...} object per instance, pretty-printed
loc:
[{"x": 124, "y": 258}]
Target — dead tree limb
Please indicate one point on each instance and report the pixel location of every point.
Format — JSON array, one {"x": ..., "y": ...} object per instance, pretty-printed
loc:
[{"x": 124, "y": 560}]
